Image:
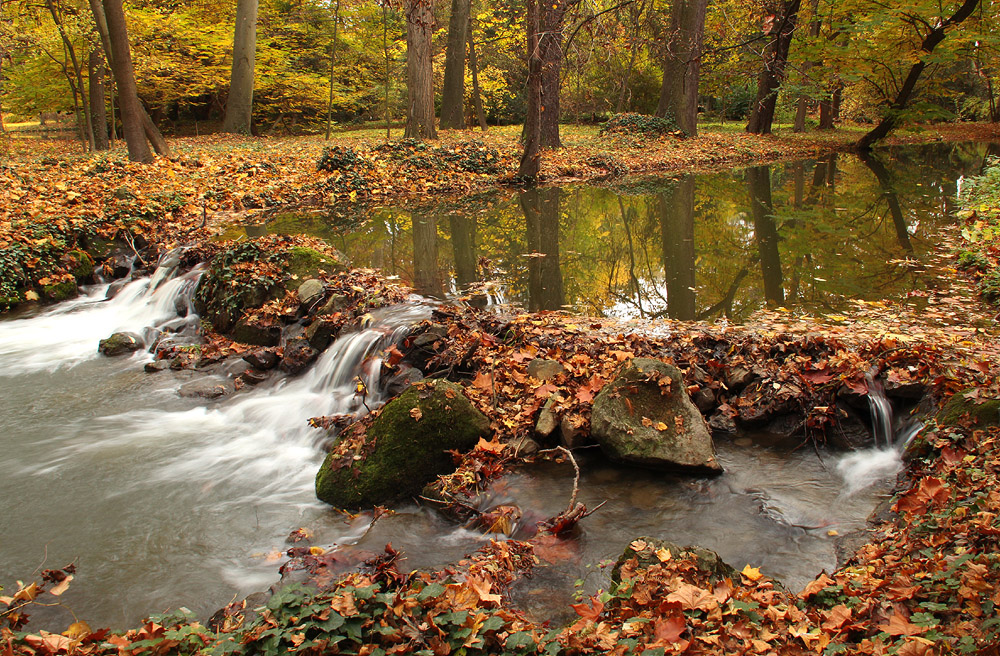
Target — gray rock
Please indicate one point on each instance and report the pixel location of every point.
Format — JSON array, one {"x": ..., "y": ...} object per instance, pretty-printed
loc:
[
  {"x": 707, "y": 560},
  {"x": 310, "y": 291},
  {"x": 336, "y": 303},
  {"x": 120, "y": 344},
  {"x": 645, "y": 417},
  {"x": 548, "y": 420},
  {"x": 571, "y": 435},
  {"x": 298, "y": 355},
  {"x": 262, "y": 359},
  {"x": 704, "y": 399},
  {"x": 524, "y": 446},
  {"x": 156, "y": 365},
  {"x": 720, "y": 422},
  {"x": 206, "y": 388},
  {"x": 545, "y": 370},
  {"x": 320, "y": 333},
  {"x": 738, "y": 377},
  {"x": 257, "y": 334}
]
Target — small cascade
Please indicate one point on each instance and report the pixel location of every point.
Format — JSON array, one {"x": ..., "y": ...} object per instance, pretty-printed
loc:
[
  {"x": 68, "y": 333},
  {"x": 861, "y": 469},
  {"x": 881, "y": 412}
]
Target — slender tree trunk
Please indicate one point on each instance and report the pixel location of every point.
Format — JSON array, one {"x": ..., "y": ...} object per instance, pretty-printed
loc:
[
  {"x": 239, "y": 105},
  {"x": 477, "y": 96},
  {"x": 892, "y": 199},
  {"x": 531, "y": 157},
  {"x": 783, "y": 18},
  {"x": 541, "y": 208},
  {"x": 931, "y": 40},
  {"x": 79, "y": 90},
  {"x": 550, "y": 45},
  {"x": 385, "y": 53},
  {"x": 419, "y": 70},
  {"x": 682, "y": 64},
  {"x": 426, "y": 272},
  {"x": 676, "y": 212},
  {"x": 98, "y": 111},
  {"x": 128, "y": 100},
  {"x": 333, "y": 63},
  {"x": 802, "y": 105},
  {"x": 453, "y": 93},
  {"x": 766, "y": 233}
]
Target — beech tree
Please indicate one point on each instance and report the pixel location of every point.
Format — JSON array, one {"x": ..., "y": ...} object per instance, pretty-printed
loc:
[
  {"x": 239, "y": 105},
  {"x": 132, "y": 112},
  {"x": 681, "y": 64},
  {"x": 779, "y": 24},
  {"x": 453, "y": 93},
  {"x": 419, "y": 70}
]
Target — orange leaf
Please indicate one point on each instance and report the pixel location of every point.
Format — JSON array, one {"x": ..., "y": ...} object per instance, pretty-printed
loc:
[
  {"x": 752, "y": 573},
  {"x": 899, "y": 625},
  {"x": 669, "y": 629},
  {"x": 490, "y": 447},
  {"x": 836, "y": 617},
  {"x": 816, "y": 586},
  {"x": 483, "y": 381},
  {"x": 691, "y": 597},
  {"x": 482, "y": 588},
  {"x": 589, "y": 612}
]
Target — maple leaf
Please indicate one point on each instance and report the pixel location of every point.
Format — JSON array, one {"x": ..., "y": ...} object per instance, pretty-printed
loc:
[
  {"x": 930, "y": 490},
  {"x": 669, "y": 629},
  {"x": 691, "y": 597},
  {"x": 817, "y": 585},
  {"x": 589, "y": 612},
  {"x": 836, "y": 617},
  {"x": 901, "y": 626},
  {"x": 482, "y": 588},
  {"x": 416, "y": 413},
  {"x": 483, "y": 381},
  {"x": 545, "y": 390},
  {"x": 752, "y": 573},
  {"x": 490, "y": 447}
]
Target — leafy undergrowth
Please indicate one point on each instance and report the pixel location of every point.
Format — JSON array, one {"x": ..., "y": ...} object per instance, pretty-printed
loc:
[
  {"x": 56, "y": 198},
  {"x": 979, "y": 251}
]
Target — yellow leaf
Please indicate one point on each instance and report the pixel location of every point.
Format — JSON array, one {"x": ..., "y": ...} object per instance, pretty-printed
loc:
[
  {"x": 77, "y": 630},
  {"x": 31, "y": 295},
  {"x": 752, "y": 573},
  {"x": 663, "y": 554}
]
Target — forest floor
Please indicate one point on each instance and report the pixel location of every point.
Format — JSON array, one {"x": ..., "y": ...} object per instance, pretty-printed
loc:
[{"x": 924, "y": 582}]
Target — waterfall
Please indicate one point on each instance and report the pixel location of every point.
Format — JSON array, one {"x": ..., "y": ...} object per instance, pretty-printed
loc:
[
  {"x": 861, "y": 469},
  {"x": 68, "y": 333}
]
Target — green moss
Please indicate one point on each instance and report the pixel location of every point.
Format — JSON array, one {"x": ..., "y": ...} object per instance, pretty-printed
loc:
[
  {"x": 306, "y": 263},
  {"x": 959, "y": 406},
  {"x": 406, "y": 445},
  {"x": 79, "y": 263},
  {"x": 60, "y": 291}
]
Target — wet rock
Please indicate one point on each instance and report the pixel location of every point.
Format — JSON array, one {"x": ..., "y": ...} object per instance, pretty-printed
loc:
[
  {"x": 704, "y": 399},
  {"x": 786, "y": 425},
  {"x": 262, "y": 359},
  {"x": 79, "y": 263},
  {"x": 738, "y": 377},
  {"x": 850, "y": 432},
  {"x": 298, "y": 355},
  {"x": 253, "y": 377},
  {"x": 405, "y": 447},
  {"x": 321, "y": 332},
  {"x": 120, "y": 265},
  {"x": 967, "y": 406},
  {"x": 524, "y": 446},
  {"x": 120, "y": 344},
  {"x": 643, "y": 551},
  {"x": 207, "y": 388},
  {"x": 402, "y": 380},
  {"x": 720, "y": 422},
  {"x": 645, "y": 417},
  {"x": 306, "y": 263},
  {"x": 310, "y": 291},
  {"x": 258, "y": 334},
  {"x": 904, "y": 390},
  {"x": 571, "y": 433},
  {"x": 548, "y": 420},
  {"x": 60, "y": 291},
  {"x": 545, "y": 370},
  {"x": 762, "y": 402},
  {"x": 336, "y": 303},
  {"x": 433, "y": 333},
  {"x": 156, "y": 365}
]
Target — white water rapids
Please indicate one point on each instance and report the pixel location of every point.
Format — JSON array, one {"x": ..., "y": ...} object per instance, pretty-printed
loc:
[{"x": 165, "y": 501}]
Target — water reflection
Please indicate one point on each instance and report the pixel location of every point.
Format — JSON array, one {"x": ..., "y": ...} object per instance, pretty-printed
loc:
[{"x": 810, "y": 234}]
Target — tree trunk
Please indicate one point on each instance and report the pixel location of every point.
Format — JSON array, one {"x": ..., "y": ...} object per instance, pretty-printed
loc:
[
  {"x": 802, "y": 105},
  {"x": 419, "y": 70},
  {"x": 98, "y": 111},
  {"x": 79, "y": 90},
  {"x": 676, "y": 212},
  {"x": 766, "y": 233},
  {"x": 128, "y": 100},
  {"x": 933, "y": 38},
  {"x": 426, "y": 272},
  {"x": 782, "y": 21},
  {"x": 550, "y": 46},
  {"x": 239, "y": 106},
  {"x": 477, "y": 96},
  {"x": 453, "y": 93},
  {"x": 333, "y": 62},
  {"x": 892, "y": 200},
  {"x": 541, "y": 208},
  {"x": 682, "y": 64},
  {"x": 531, "y": 157},
  {"x": 385, "y": 54}
]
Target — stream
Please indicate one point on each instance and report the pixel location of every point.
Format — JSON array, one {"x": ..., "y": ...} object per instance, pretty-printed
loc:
[{"x": 164, "y": 501}]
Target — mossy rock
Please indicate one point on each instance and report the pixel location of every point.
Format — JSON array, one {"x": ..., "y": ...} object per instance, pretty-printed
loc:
[
  {"x": 305, "y": 263},
  {"x": 404, "y": 448},
  {"x": 645, "y": 417},
  {"x": 981, "y": 414},
  {"x": 60, "y": 291},
  {"x": 707, "y": 560},
  {"x": 79, "y": 263}
]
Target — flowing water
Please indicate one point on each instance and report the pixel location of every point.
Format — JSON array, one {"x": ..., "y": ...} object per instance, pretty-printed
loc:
[{"x": 165, "y": 501}]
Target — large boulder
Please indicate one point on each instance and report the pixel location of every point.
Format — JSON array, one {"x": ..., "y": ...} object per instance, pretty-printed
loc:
[
  {"x": 645, "y": 417},
  {"x": 404, "y": 447}
]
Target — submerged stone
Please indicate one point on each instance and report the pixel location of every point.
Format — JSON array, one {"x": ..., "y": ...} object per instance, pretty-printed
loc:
[
  {"x": 120, "y": 344},
  {"x": 649, "y": 551},
  {"x": 645, "y": 417},
  {"x": 404, "y": 448}
]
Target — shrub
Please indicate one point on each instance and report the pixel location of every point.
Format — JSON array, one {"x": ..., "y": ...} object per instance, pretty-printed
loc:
[{"x": 640, "y": 124}]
